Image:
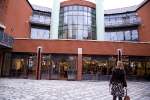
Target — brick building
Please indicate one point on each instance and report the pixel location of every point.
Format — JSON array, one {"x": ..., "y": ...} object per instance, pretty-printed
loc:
[{"x": 73, "y": 40}]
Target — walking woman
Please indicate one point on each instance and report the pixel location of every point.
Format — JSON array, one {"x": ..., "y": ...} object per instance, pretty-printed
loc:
[{"x": 118, "y": 81}]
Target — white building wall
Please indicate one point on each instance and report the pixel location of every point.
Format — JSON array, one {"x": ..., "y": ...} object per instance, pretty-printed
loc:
[
  {"x": 55, "y": 19},
  {"x": 100, "y": 20}
]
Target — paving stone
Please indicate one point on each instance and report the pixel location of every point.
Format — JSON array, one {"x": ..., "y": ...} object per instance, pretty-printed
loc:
[{"x": 24, "y": 89}]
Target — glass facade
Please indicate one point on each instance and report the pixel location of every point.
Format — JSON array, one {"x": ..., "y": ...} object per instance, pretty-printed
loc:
[
  {"x": 77, "y": 22},
  {"x": 58, "y": 66},
  {"x": 100, "y": 67},
  {"x": 52, "y": 66},
  {"x": 41, "y": 18},
  {"x": 40, "y": 33},
  {"x": 23, "y": 66},
  {"x": 61, "y": 66},
  {"x": 118, "y": 27},
  {"x": 121, "y": 19},
  {"x": 97, "y": 67},
  {"x": 5, "y": 39},
  {"x": 40, "y": 25},
  {"x": 122, "y": 35}
]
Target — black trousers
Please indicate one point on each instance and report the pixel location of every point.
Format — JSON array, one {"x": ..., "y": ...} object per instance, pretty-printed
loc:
[{"x": 115, "y": 98}]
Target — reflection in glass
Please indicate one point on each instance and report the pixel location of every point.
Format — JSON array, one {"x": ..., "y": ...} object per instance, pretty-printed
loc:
[
  {"x": 121, "y": 19},
  {"x": 79, "y": 20},
  {"x": 39, "y": 33},
  {"x": 120, "y": 36},
  {"x": 134, "y": 35},
  {"x": 128, "y": 35}
]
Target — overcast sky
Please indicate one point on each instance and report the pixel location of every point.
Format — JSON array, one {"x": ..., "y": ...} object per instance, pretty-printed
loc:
[{"x": 108, "y": 4}]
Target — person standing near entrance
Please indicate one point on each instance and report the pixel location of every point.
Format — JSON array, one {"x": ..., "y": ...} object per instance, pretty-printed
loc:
[{"x": 118, "y": 81}]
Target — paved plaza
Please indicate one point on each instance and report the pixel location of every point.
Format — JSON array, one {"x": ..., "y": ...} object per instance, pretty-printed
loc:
[{"x": 22, "y": 89}]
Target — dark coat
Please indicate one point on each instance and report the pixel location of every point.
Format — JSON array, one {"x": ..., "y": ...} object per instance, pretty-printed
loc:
[{"x": 118, "y": 75}]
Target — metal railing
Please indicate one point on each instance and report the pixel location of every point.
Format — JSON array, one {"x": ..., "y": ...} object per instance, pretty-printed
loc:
[
  {"x": 6, "y": 40},
  {"x": 35, "y": 21}
]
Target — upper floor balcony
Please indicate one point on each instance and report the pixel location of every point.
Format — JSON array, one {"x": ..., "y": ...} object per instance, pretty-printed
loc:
[
  {"x": 44, "y": 21},
  {"x": 123, "y": 20},
  {"x": 6, "y": 41}
]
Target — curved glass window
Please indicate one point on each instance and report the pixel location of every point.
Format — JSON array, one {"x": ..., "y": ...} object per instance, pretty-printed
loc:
[{"x": 77, "y": 22}]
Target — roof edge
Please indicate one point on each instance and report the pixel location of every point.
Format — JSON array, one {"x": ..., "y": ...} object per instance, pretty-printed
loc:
[
  {"x": 136, "y": 9},
  {"x": 29, "y": 4},
  {"x": 36, "y": 8},
  {"x": 142, "y": 4}
]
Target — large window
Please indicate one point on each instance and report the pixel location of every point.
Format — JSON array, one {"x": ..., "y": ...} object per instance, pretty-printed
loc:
[
  {"x": 128, "y": 35},
  {"x": 41, "y": 18},
  {"x": 37, "y": 33},
  {"x": 52, "y": 66},
  {"x": 77, "y": 22},
  {"x": 23, "y": 65},
  {"x": 99, "y": 67},
  {"x": 121, "y": 19},
  {"x": 134, "y": 35}
]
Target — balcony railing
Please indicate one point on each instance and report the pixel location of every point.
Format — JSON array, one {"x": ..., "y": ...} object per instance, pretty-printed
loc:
[
  {"x": 39, "y": 22},
  {"x": 6, "y": 40},
  {"x": 123, "y": 23}
]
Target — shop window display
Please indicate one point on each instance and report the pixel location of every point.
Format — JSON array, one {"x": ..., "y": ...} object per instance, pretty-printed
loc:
[
  {"x": 57, "y": 66},
  {"x": 95, "y": 67},
  {"x": 99, "y": 67}
]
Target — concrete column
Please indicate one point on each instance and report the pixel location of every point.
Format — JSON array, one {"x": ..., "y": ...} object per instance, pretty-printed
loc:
[
  {"x": 100, "y": 20},
  {"x": 79, "y": 64},
  {"x": 55, "y": 19},
  {"x": 39, "y": 61},
  {"x": 119, "y": 54}
]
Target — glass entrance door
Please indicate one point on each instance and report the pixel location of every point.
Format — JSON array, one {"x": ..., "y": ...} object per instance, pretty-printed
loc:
[
  {"x": 63, "y": 66},
  {"x": 54, "y": 70},
  {"x": 19, "y": 68},
  {"x": 58, "y": 67}
]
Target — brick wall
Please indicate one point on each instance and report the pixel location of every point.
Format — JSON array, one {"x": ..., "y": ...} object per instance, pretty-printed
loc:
[
  {"x": 78, "y": 2},
  {"x": 144, "y": 28},
  {"x": 3, "y": 10},
  {"x": 17, "y": 18},
  {"x": 89, "y": 47}
]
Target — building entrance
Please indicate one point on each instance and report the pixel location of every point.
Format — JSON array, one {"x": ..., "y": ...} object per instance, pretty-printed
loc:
[
  {"x": 57, "y": 66},
  {"x": 63, "y": 69}
]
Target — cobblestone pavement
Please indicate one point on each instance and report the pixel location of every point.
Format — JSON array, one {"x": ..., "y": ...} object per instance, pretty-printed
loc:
[{"x": 22, "y": 89}]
